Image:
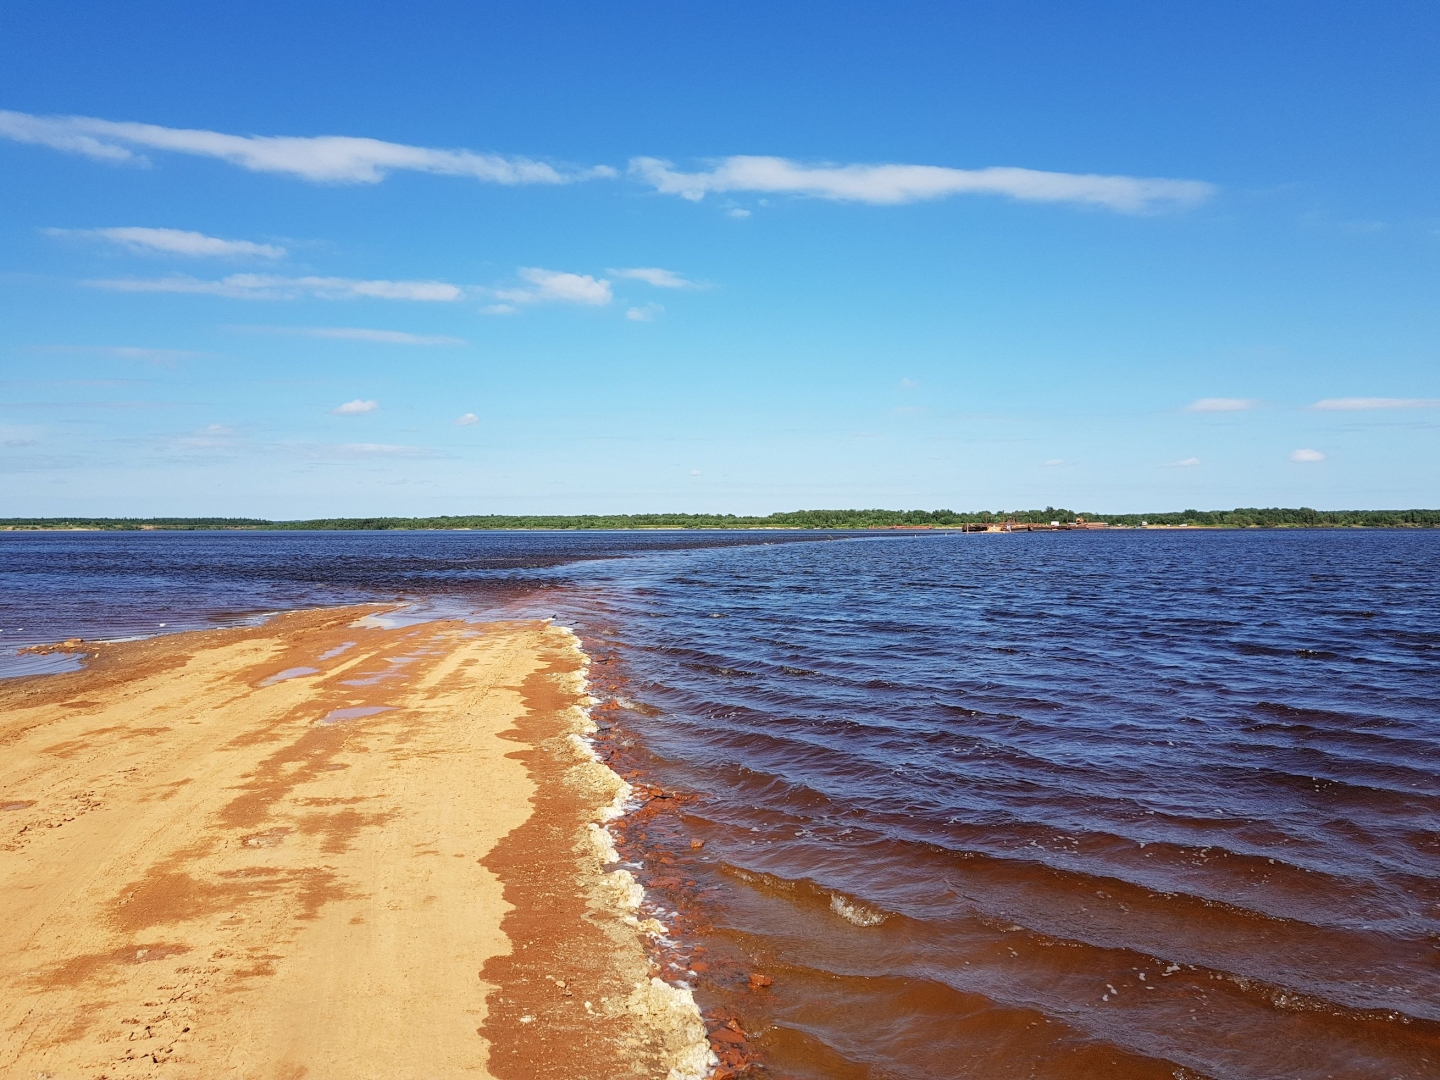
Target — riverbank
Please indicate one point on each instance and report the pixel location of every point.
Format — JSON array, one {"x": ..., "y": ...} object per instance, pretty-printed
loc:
[
  {"x": 831, "y": 520},
  {"x": 321, "y": 847}
]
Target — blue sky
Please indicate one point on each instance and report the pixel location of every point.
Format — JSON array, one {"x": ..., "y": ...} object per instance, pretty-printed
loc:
[{"x": 717, "y": 257}]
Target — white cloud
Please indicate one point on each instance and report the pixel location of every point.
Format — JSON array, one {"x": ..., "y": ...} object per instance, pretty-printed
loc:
[
  {"x": 176, "y": 242},
  {"x": 353, "y": 452},
  {"x": 571, "y": 288},
  {"x": 737, "y": 213},
  {"x": 355, "y": 408},
  {"x": 468, "y": 420},
  {"x": 271, "y": 287},
  {"x": 1185, "y": 463},
  {"x": 1054, "y": 463},
  {"x": 891, "y": 184},
  {"x": 500, "y": 309},
  {"x": 909, "y": 384},
  {"x": 153, "y": 356},
  {"x": 1221, "y": 404},
  {"x": 653, "y": 275},
  {"x": 648, "y": 313},
  {"x": 1306, "y": 455},
  {"x": 382, "y": 448},
  {"x": 554, "y": 285},
  {"x": 323, "y": 158},
  {"x": 694, "y": 472},
  {"x": 210, "y": 437},
  {"x": 1357, "y": 403},
  {"x": 382, "y": 337}
]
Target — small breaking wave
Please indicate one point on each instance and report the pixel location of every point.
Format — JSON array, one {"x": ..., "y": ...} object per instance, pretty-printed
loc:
[
  {"x": 809, "y": 893},
  {"x": 856, "y": 912}
]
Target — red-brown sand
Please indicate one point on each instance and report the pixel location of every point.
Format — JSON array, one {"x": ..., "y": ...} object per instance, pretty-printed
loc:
[{"x": 321, "y": 848}]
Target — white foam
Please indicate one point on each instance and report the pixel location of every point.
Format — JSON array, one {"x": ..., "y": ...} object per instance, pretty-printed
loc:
[
  {"x": 853, "y": 911},
  {"x": 666, "y": 1010},
  {"x": 670, "y": 1008}
]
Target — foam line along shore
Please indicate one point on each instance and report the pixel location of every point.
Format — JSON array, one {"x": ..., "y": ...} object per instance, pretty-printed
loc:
[{"x": 323, "y": 845}]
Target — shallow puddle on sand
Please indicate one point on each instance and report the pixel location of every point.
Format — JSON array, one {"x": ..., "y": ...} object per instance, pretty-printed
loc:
[
  {"x": 289, "y": 673},
  {"x": 355, "y": 712},
  {"x": 337, "y": 650},
  {"x": 370, "y": 678}
]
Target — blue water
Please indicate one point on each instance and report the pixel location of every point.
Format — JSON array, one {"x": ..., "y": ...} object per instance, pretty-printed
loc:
[
  {"x": 109, "y": 585},
  {"x": 1128, "y": 804}
]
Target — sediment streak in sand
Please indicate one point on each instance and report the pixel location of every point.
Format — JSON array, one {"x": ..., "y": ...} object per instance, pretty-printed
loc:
[{"x": 209, "y": 871}]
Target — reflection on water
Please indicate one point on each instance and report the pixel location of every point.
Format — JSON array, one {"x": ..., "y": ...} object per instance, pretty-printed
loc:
[
  {"x": 116, "y": 585},
  {"x": 354, "y": 712},
  {"x": 288, "y": 674}
]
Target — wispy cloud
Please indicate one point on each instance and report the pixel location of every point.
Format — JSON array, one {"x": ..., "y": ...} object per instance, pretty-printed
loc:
[
  {"x": 176, "y": 242},
  {"x": 1184, "y": 463},
  {"x": 162, "y": 357},
  {"x": 13, "y": 435},
  {"x": 271, "y": 287},
  {"x": 468, "y": 420},
  {"x": 1221, "y": 404},
  {"x": 541, "y": 287},
  {"x": 357, "y": 407},
  {"x": 322, "y": 158},
  {"x": 1348, "y": 404},
  {"x": 210, "y": 437},
  {"x": 891, "y": 184},
  {"x": 547, "y": 286},
  {"x": 357, "y": 333},
  {"x": 356, "y": 160},
  {"x": 350, "y": 452},
  {"x": 1304, "y": 456},
  {"x": 647, "y": 313},
  {"x": 388, "y": 449},
  {"x": 653, "y": 275}
]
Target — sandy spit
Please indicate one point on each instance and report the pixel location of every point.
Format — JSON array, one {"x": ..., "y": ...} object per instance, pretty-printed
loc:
[{"x": 322, "y": 848}]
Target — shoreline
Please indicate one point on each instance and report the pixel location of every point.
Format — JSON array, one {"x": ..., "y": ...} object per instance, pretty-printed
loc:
[
  {"x": 963, "y": 527},
  {"x": 322, "y": 847}
]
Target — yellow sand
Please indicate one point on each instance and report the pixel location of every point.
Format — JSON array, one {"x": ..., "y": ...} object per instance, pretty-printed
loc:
[{"x": 199, "y": 877}]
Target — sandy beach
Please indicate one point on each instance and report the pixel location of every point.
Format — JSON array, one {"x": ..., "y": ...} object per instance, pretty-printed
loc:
[{"x": 321, "y": 847}]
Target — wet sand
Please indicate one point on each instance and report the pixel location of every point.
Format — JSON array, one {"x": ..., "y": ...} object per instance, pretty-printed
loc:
[{"x": 321, "y": 848}]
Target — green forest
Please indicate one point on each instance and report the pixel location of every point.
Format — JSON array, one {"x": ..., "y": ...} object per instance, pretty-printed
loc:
[{"x": 1243, "y": 517}]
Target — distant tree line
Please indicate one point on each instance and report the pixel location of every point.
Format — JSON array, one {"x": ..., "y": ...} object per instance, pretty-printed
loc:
[
  {"x": 122, "y": 524},
  {"x": 1275, "y": 517},
  {"x": 1244, "y": 517}
]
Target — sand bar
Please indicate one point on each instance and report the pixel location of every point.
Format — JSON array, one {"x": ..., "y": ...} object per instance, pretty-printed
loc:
[{"x": 320, "y": 848}]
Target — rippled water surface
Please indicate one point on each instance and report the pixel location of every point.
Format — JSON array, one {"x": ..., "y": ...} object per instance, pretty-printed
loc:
[
  {"x": 106, "y": 585},
  {"x": 1141, "y": 804},
  {"x": 1063, "y": 805}
]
